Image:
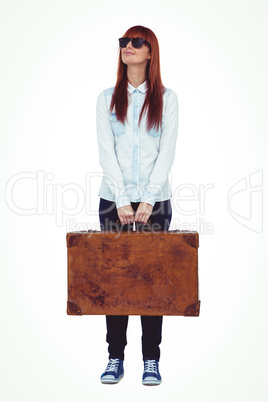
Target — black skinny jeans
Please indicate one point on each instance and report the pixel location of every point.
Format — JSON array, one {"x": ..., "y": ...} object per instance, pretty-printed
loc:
[{"x": 117, "y": 324}]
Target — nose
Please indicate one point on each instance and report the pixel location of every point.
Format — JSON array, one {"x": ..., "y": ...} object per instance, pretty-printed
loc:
[{"x": 129, "y": 44}]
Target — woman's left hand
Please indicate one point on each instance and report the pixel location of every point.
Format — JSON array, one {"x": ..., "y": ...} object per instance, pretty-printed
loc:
[{"x": 143, "y": 212}]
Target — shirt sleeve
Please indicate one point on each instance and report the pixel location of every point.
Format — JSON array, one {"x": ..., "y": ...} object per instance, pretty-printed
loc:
[
  {"x": 107, "y": 157},
  {"x": 166, "y": 153}
]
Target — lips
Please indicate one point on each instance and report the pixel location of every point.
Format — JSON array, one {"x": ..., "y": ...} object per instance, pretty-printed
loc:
[{"x": 128, "y": 53}]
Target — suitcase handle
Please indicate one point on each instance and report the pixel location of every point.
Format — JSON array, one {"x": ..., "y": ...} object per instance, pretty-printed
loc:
[{"x": 138, "y": 225}]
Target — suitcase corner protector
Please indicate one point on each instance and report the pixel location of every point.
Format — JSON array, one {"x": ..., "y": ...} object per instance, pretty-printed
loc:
[
  {"x": 192, "y": 310},
  {"x": 73, "y": 309},
  {"x": 192, "y": 241}
]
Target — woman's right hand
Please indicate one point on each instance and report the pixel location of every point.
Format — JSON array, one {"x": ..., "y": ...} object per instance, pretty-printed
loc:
[{"x": 126, "y": 214}]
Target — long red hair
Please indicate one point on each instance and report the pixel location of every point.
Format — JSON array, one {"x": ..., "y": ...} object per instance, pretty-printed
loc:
[{"x": 153, "y": 102}]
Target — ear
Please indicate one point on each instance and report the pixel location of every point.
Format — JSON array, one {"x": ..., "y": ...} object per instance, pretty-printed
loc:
[{"x": 149, "y": 56}]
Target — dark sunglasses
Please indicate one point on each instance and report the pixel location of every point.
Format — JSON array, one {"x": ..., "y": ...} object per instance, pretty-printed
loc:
[{"x": 136, "y": 42}]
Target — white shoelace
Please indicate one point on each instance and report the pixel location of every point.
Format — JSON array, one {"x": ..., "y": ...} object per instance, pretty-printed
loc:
[
  {"x": 113, "y": 365},
  {"x": 150, "y": 366}
]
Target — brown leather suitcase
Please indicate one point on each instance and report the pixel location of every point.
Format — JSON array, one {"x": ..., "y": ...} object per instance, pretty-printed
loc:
[{"x": 125, "y": 272}]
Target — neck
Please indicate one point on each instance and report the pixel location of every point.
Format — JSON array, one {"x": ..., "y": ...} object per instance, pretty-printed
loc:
[{"x": 136, "y": 75}]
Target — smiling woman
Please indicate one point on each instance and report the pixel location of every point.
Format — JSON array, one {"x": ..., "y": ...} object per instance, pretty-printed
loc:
[{"x": 137, "y": 126}]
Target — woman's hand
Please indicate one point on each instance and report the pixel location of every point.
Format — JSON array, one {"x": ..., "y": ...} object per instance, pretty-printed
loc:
[
  {"x": 143, "y": 212},
  {"x": 126, "y": 214}
]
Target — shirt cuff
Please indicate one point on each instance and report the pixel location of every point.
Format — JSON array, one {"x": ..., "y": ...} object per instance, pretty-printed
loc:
[
  {"x": 122, "y": 200},
  {"x": 149, "y": 197}
]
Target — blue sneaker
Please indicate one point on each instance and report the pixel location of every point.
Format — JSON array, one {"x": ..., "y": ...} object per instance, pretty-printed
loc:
[
  {"x": 114, "y": 372},
  {"x": 151, "y": 375}
]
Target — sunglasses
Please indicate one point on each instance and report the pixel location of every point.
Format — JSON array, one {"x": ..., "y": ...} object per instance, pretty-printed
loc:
[{"x": 136, "y": 42}]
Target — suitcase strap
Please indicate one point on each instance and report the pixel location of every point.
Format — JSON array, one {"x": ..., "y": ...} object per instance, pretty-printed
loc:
[{"x": 138, "y": 226}]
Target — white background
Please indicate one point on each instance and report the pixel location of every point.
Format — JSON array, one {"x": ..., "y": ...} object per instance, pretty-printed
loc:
[{"x": 56, "y": 57}]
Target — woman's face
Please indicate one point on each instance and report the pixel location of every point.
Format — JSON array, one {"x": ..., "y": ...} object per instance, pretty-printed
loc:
[{"x": 131, "y": 56}]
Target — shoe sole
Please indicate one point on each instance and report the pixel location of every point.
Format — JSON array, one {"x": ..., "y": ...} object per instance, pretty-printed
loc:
[
  {"x": 151, "y": 381},
  {"x": 111, "y": 380}
]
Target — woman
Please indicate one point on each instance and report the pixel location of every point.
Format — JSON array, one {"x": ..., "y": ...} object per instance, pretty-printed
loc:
[{"x": 137, "y": 125}]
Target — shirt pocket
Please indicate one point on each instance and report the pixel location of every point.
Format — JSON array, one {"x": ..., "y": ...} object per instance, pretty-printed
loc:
[
  {"x": 154, "y": 132},
  {"x": 117, "y": 127}
]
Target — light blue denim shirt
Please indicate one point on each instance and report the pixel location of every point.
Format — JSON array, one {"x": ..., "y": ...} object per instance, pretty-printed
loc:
[{"x": 135, "y": 162}]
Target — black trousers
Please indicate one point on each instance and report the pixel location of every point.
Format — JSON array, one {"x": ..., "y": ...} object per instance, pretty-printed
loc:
[{"x": 117, "y": 324}]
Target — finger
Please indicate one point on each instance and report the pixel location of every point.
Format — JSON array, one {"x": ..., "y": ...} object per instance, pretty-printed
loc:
[
  {"x": 122, "y": 220},
  {"x": 143, "y": 218},
  {"x": 131, "y": 218},
  {"x": 139, "y": 218}
]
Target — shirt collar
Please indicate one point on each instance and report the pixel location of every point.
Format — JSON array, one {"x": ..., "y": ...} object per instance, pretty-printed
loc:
[{"x": 142, "y": 88}]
